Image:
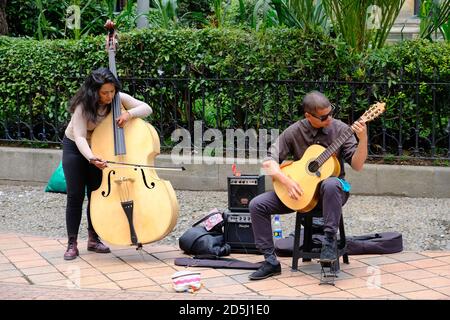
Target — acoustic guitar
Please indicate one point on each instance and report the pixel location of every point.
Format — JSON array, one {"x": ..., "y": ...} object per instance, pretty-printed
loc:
[{"x": 317, "y": 164}]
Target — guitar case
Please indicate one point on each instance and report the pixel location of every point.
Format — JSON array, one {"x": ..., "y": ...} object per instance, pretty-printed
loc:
[{"x": 373, "y": 243}]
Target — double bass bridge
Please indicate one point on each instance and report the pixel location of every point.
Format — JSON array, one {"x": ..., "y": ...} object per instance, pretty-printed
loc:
[
  {"x": 123, "y": 180},
  {"x": 124, "y": 187}
]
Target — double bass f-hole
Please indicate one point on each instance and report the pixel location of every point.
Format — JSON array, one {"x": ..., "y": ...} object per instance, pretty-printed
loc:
[
  {"x": 106, "y": 194},
  {"x": 123, "y": 184},
  {"x": 145, "y": 180}
]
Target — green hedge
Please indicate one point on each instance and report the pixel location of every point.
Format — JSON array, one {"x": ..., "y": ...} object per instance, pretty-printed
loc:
[
  {"x": 45, "y": 73},
  {"x": 30, "y": 67}
]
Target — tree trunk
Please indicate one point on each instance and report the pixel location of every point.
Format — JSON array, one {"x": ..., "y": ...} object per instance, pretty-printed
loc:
[
  {"x": 143, "y": 6},
  {"x": 3, "y": 22}
]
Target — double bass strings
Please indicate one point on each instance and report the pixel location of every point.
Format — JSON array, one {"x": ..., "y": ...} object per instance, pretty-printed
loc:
[{"x": 124, "y": 192}]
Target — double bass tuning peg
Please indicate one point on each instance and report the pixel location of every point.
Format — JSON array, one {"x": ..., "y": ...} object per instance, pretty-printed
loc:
[{"x": 111, "y": 38}]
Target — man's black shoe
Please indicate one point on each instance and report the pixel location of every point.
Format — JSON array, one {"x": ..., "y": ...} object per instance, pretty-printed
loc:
[
  {"x": 329, "y": 249},
  {"x": 265, "y": 271}
]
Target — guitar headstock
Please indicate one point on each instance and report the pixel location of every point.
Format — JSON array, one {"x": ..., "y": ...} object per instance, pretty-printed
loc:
[{"x": 374, "y": 111}]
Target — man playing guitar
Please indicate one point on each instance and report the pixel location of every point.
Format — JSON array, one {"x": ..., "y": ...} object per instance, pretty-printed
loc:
[{"x": 317, "y": 128}]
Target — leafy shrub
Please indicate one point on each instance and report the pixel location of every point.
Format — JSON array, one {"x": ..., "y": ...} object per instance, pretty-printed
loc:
[{"x": 234, "y": 78}]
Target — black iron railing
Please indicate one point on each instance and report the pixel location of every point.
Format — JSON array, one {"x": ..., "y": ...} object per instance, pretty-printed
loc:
[{"x": 415, "y": 125}]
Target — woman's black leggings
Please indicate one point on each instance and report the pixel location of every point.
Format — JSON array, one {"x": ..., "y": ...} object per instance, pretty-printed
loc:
[{"x": 81, "y": 178}]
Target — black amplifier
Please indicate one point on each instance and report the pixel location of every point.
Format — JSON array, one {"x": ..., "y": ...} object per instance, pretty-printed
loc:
[
  {"x": 242, "y": 189},
  {"x": 238, "y": 232}
]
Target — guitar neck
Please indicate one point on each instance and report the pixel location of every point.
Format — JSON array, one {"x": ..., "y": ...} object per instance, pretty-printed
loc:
[{"x": 332, "y": 148}]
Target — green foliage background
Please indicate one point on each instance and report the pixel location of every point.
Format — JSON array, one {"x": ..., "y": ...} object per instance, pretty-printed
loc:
[{"x": 47, "y": 73}]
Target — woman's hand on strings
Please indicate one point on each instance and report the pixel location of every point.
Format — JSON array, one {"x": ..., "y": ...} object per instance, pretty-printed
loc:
[{"x": 124, "y": 117}]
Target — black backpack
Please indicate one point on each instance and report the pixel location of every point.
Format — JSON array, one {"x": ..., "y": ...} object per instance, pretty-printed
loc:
[{"x": 203, "y": 243}]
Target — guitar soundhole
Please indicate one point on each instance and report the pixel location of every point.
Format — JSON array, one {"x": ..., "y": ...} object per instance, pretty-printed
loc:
[{"x": 313, "y": 166}]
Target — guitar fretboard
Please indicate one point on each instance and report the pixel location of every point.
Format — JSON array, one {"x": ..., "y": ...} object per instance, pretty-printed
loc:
[{"x": 332, "y": 148}]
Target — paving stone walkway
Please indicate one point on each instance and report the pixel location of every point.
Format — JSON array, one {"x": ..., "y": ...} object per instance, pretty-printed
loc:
[{"x": 33, "y": 268}]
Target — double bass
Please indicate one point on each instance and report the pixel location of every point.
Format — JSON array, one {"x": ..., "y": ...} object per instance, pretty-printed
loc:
[{"x": 132, "y": 206}]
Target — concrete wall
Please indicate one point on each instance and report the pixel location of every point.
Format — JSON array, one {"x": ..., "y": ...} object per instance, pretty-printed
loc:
[
  {"x": 407, "y": 10},
  {"x": 22, "y": 165}
]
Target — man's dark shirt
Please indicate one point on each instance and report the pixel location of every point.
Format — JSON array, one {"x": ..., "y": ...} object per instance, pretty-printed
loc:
[{"x": 299, "y": 136}]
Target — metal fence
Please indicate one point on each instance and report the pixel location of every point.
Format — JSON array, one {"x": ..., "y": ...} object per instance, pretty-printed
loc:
[{"x": 415, "y": 125}]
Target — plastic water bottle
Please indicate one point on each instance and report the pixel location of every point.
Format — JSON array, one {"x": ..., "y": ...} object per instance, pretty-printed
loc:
[{"x": 277, "y": 231}]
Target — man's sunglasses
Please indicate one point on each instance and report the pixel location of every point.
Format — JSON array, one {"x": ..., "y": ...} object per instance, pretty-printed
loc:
[{"x": 325, "y": 116}]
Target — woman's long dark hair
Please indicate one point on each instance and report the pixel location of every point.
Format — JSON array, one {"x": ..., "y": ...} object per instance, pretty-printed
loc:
[{"x": 87, "y": 96}]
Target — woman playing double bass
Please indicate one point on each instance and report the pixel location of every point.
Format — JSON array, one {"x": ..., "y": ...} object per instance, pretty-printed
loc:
[{"x": 82, "y": 168}]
